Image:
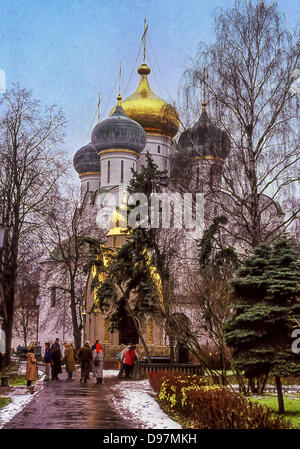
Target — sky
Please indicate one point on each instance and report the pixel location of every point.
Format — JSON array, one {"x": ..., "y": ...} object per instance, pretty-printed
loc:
[{"x": 68, "y": 51}]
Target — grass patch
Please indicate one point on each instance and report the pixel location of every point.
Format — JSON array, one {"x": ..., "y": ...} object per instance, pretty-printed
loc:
[
  {"x": 291, "y": 406},
  {"x": 4, "y": 402},
  {"x": 12, "y": 368},
  {"x": 11, "y": 371},
  {"x": 16, "y": 380}
]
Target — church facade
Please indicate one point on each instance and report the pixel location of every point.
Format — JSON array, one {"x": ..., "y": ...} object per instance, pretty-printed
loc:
[{"x": 140, "y": 124}]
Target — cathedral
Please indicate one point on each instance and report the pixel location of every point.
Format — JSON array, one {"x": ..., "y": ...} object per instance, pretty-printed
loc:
[{"x": 140, "y": 124}]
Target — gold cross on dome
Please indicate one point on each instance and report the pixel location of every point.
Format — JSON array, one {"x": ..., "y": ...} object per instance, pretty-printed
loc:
[
  {"x": 120, "y": 74},
  {"x": 119, "y": 98},
  {"x": 144, "y": 39}
]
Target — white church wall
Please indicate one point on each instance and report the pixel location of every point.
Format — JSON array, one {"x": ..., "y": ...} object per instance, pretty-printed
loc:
[
  {"x": 89, "y": 182},
  {"x": 111, "y": 167},
  {"x": 159, "y": 148}
]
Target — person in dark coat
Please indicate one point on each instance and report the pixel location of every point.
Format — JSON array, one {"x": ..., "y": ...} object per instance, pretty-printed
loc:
[
  {"x": 86, "y": 359},
  {"x": 47, "y": 360},
  {"x": 56, "y": 360},
  {"x": 94, "y": 345}
]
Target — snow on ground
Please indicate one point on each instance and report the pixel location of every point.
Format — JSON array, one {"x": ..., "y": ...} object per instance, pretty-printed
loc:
[
  {"x": 20, "y": 397},
  {"x": 18, "y": 402},
  {"x": 135, "y": 399}
]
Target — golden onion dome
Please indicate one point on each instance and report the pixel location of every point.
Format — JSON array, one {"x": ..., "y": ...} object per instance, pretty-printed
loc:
[
  {"x": 118, "y": 220},
  {"x": 117, "y": 224},
  {"x": 155, "y": 115}
]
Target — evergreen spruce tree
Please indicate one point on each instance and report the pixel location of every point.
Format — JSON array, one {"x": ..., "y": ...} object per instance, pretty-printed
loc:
[
  {"x": 147, "y": 240},
  {"x": 265, "y": 311},
  {"x": 124, "y": 286},
  {"x": 131, "y": 281}
]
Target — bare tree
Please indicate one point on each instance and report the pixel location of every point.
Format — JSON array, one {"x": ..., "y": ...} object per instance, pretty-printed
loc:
[
  {"x": 70, "y": 237},
  {"x": 30, "y": 165},
  {"x": 248, "y": 75},
  {"x": 27, "y": 288},
  {"x": 27, "y": 291},
  {"x": 206, "y": 297}
]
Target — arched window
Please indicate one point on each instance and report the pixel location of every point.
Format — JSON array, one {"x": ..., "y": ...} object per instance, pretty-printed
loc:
[
  {"x": 158, "y": 149},
  {"x": 122, "y": 172},
  {"x": 108, "y": 172},
  {"x": 127, "y": 332},
  {"x": 87, "y": 186}
]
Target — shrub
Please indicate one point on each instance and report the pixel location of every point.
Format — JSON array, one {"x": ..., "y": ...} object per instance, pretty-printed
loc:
[
  {"x": 156, "y": 379},
  {"x": 212, "y": 406}
]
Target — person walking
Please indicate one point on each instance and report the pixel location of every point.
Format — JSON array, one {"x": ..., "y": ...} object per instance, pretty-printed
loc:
[
  {"x": 118, "y": 357},
  {"x": 56, "y": 360},
  {"x": 94, "y": 345},
  {"x": 85, "y": 357},
  {"x": 69, "y": 360},
  {"x": 98, "y": 361},
  {"x": 31, "y": 368},
  {"x": 47, "y": 360},
  {"x": 129, "y": 360},
  {"x": 121, "y": 360}
]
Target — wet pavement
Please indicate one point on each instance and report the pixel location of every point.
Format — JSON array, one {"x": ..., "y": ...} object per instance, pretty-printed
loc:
[{"x": 72, "y": 405}]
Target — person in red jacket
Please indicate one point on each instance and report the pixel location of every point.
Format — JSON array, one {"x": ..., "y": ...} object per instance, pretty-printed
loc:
[{"x": 129, "y": 360}]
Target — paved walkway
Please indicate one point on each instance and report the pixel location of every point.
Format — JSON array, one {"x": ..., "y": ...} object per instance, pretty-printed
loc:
[{"x": 72, "y": 405}]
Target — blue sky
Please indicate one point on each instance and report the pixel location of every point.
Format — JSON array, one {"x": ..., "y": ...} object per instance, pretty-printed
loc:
[{"x": 67, "y": 51}]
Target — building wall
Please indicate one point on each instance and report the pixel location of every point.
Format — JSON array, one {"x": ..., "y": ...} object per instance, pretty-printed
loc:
[
  {"x": 89, "y": 182},
  {"x": 111, "y": 167},
  {"x": 96, "y": 327},
  {"x": 159, "y": 148}
]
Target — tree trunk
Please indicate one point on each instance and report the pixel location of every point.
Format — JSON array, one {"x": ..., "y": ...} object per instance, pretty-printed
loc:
[
  {"x": 171, "y": 344},
  {"x": 76, "y": 329},
  {"x": 242, "y": 387},
  {"x": 77, "y": 339},
  {"x": 279, "y": 395},
  {"x": 8, "y": 339},
  {"x": 8, "y": 322},
  {"x": 129, "y": 311},
  {"x": 8, "y": 261},
  {"x": 142, "y": 339},
  {"x": 126, "y": 295},
  {"x": 223, "y": 366},
  {"x": 263, "y": 384}
]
